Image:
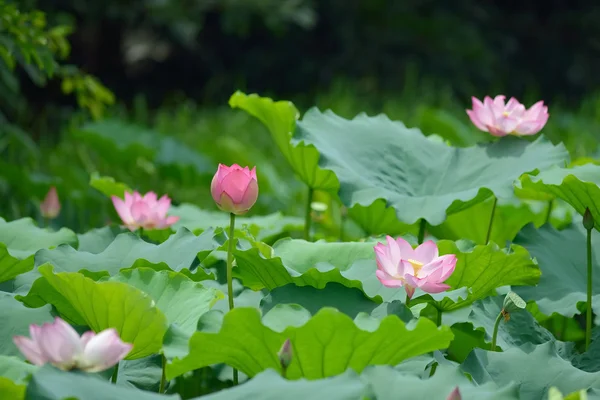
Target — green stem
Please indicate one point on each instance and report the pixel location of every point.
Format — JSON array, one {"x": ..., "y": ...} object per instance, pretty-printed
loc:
[
  {"x": 422, "y": 226},
  {"x": 588, "y": 322},
  {"x": 230, "y": 274},
  {"x": 438, "y": 321},
  {"x": 115, "y": 374},
  {"x": 495, "y": 335},
  {"x": 489, "y": 231},
  {"x": 407, "y": 301},
  {"x": 308, "y": 214},
  {"x": 549, "y": 212},
  {"x": 163, "y": 377},
  {"x": 230, "y": 259}
]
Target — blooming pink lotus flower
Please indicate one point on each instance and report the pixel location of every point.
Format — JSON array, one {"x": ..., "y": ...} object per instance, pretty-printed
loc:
[
  {"x": 146, "y": 212},
  {"x": 50, "y": 207},
  {"x": 59, "y": 344},
  {"x": 398, "y": 264},
  {"x": 234, "y": 189},
  {"x": 512, "y": 118}
]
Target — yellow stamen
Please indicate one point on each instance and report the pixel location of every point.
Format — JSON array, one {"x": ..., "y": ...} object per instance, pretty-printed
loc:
[
  {"x": 417, "y": 265},
  {"x": 506, "y": 113}
]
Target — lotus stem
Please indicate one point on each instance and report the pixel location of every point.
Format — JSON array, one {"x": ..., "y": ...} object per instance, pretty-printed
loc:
[
  {"x": 407, "y": 301},
  {"x": 549, "y": 212},
  {"x": 422, "y": 226},
  {"x": 489, "y": 231},
  {"x": 588, "y": 321},
  {"x": 438, "y": 321},
  {"x": 308, "y": 214},
  {"x": 163, "y": 377},
  {"x": 230, "y": 274},
  {"x": 115, "y": 374},
  {"x": 495, "y": 334}
]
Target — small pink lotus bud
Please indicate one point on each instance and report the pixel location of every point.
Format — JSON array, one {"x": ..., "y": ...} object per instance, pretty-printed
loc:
[
  {"x": 234, "y": 189},
  {"x": 455, "y": 395},
  {"x": 50, "y": 207},
  {"x": 285, "y": 354},
  {"x": 146, "y": 212},
  {"x": 59, "y": 344},
  {"x": 398, "y": 264},
  {"x": 512, "y": 118}
]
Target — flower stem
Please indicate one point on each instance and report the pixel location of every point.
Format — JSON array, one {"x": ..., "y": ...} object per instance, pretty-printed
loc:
[
  {"x": 163, "y": 377},
  {"x": 588, "y": 322},
  {"x": 115, "y": 374},
  {"x": 495, "y": 335},
  {"x": 308, "y": 214},
  {"x": 549, "y": 212},
  {"x": 489, "y": 231},
  {"x": 422, "y": 226},
  {"x": 407, "y": 301},
  {"x": 230, "y": 259},
  {"x": 230, "y": 274},
  {"x": 438, "y": 321}
]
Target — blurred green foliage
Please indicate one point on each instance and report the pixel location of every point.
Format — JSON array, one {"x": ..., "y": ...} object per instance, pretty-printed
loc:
[{"x": 174, "y": 147}]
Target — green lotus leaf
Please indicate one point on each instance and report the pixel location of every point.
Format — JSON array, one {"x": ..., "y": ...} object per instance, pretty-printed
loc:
[
  {"x": 578, "y": 186},
  {"x": 326, "y": 345},
  {"x": 376, "y": 158},
  {"x": 280, "y": 119},
  {"x": 21, "y": 239}
]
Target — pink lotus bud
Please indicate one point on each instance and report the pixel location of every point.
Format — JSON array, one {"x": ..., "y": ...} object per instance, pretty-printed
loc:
[
  {"x": 398, "y": 264},
  {"x": 512, "y": 118},
  {"x": 50, "y": 207},
  {"x": 285, "y": 354},
  {"x": 146, "y": 212},
  {"x": 234, "y": 189},
  {"x": 454, "y": 395},
  {"x": 59, "y": 344}
]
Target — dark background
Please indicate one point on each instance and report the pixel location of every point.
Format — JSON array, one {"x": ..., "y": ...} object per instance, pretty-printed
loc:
[{"x": 205, "y": 49}]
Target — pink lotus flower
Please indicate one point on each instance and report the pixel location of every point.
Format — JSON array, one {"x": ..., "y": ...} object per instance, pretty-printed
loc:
[
  {"x": 454, "y": 395},
  {"x": 146, "y": 212},
  {"x": 512, "y": 118},
  {"x": 398, "y": 264},
  {"x": 234, "y": 189},
  {"x": 59, "y": 344},
  {"x": 50, "y": 207}
]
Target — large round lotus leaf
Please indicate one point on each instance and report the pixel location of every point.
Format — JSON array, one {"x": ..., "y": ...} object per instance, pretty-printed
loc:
[
  {"x": 578, "y": 186},
  {"x": 21, "y": 239},
  {"x": 537, "y": 367},
  {"x": 280, "y": 119},
  {"x": 374, "y": 157},
  {"x": 49, "y": 383},
  {"x": 326, "y": 345},
  {"x": 562, "y": 258}
]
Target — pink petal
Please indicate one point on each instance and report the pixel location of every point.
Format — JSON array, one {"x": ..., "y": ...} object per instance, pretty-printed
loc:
[
  {"x": 426, "y": 252},
  {"x": 406, "y": 268},
  {"x": 454, "y": 395},
  {"x": 235, "y": 185},
  {"x": 50, "y": 207},
  {"x": 103, "y": 351},
  {"x": 253, "y": 174},
  {"x": 406, "y": 250},
  {"x": 150, "y": 198},
  {"x": 393, "y": 250},
  {"x": 215, "y": 188},
  {"x": 136, "y": 197},
  {"x": 86, "y": 337},
  {"x": 162, "y": 206},
  {"x": 140, "y": 211},
  {"x": 250, "y": 195},
  {"x": 410, "y": 291},
  {"x": 495, "y": 131},
  {"x": 30, "y": 350},
  {"x": 387, "y": 280},
  {"x": 225, "y": 203},
  {"x": 506, "y": 124},
  {"x": 384, "y": 262},
  {"x": 535, "y": 111},
  {"x": 60, "y": 343},
  {"x": 426, "y": 285},
  {"x": 498, "y": 102},
  {"x": 476, "y": 121},
  {"x": 122, "y": 209},
  {"x": 171, "y": 220}
]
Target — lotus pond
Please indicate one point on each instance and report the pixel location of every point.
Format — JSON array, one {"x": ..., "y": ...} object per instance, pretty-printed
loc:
[{"x": 434, "y": 271}]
